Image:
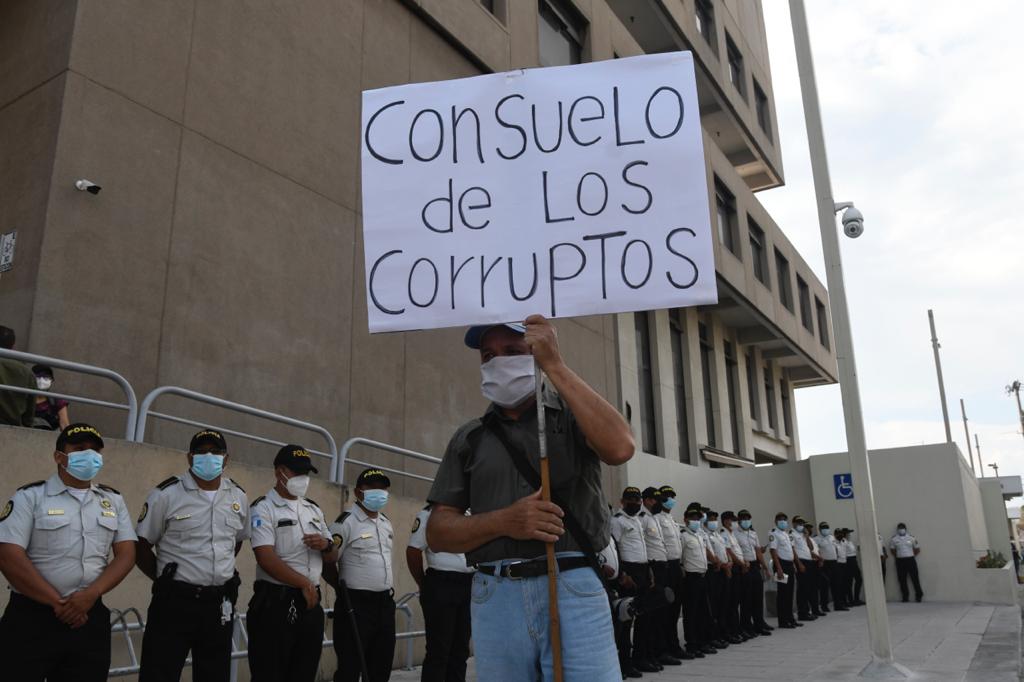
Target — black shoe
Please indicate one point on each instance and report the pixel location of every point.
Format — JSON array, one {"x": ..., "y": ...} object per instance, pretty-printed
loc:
[
  {"x": 824, "y": 609},
  {"x": 787, "y": 626},
  {"x": 840, "y": 608},
  {"x": 696, "y": 653},
  {"x": 920, "y": 598},
  {"x": 665, "y": 659},
  {"x": 708, "y": 649},
  {"x": 808, "y": 618},
  {"x": 631, "y": 672},
  {"x": 734, "y": 639},
  {"x": 644, "y": 667},
  {"x": 676, "y": 652},
  {"x": 686, "y": 656},
  {"x": 764, "y": 626},
  {"x": 658, "y": 667},
  {"x": 818, "y": 614},
  {"x": 765, "y": 633},
  {"x": 719, "y": 644},
  {"x": 798, "y": 624}
]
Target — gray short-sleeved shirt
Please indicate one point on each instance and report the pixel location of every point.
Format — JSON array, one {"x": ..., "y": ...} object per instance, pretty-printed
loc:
[
  {"x": 485, "y": 478},
  {"x": 67, "y": 540}
]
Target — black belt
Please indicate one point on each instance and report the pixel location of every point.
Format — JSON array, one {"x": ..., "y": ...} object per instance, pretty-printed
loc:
[
  {"x": 197, "y": 592},
  {"x": 534, "y": 568},
  {"x": 452, "y": 576},
  {"x": 282, "y": 590}
]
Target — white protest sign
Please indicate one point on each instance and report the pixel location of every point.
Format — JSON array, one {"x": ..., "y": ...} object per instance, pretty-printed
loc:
[{"x": 573, "y": 190}]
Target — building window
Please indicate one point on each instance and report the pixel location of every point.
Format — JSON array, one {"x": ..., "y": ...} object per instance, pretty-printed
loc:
[
  {"x": 787, "y": 415},
  {"x": 675, "y": 324},
  {"x": 706, "y": 351},
  {"x": 757, "y": 251},
  {"x": 782, "y": 273},
  {"x": 645, "y": 371},
  {"x": 764, "y": 115},
  {"x": 822, "y": 323},
  {"x": 705, "y": 16},
  {"x": 735, "y": 65},
  {"x": 488, "y": 5},
  {"x": 561, "y": 34},
  {"x": 725, "y": 212},
  {"x": 752, "y": 399},
  {"x": 769, "y": 395},
  {"x": 805, "y": 304},
  {"x": 731, "y": 379}
]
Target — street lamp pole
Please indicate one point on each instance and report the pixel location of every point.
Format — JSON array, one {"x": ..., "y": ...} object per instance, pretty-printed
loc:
[
  {"x": 938, "y": 372},
  {"x": 867, "y": 524}
]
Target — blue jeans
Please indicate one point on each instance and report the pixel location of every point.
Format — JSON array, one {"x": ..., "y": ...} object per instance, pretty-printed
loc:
[{"x": 511, "y": 638}]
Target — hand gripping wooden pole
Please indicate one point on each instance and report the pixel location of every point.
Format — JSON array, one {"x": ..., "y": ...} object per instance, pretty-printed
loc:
[{"x": 545, "y": 494}]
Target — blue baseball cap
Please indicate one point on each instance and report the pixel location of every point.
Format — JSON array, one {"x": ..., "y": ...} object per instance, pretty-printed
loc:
[{"x": 474, "y": 335}]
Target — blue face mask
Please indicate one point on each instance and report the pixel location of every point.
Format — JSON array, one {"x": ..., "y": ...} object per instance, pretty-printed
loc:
[
  {"x": 799, "y": 528},
  {"x": 712, "y": 525},
  {"x": 669, "y": 503},
  {"x": 374, "y": 500},
  {"x": 826, "y": 531},
  {"x": 745, "y": 524},
  {"x": 902, "y": 531},
  {"x": 84, "y": 464},
  {"x": 782, "y": 524},
  {"x": 207, "y": 466},
  {"x": 693, "y": 525}
]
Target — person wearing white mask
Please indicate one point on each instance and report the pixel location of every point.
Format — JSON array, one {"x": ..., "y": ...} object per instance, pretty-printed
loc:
[
  {"x": 491, "y": 465},
  {"x": 291, "y": 542},
  {"x": 905, "y": 549},
  {"x": 196, "y": 522},
  {"x": 51, "y": 413},
  {"x": 363, "y": 577},
  {"x": 56, "y": 538}
]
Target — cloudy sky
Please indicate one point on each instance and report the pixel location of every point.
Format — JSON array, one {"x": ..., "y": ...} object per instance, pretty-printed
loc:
[{"x": 923, "y": 110}]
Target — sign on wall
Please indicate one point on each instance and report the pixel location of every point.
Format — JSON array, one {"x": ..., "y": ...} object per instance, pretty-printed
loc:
[
  {"x": 843, "y": 486},
  {"x": 7, "y": 241},
  {"x": 564, "y": 191}
]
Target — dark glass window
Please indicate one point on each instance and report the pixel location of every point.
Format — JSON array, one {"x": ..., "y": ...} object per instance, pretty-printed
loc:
[
  {"x": 764, "y": 114},
  {"x": 769, "y": 394},
  {"x": 705, "y": 18},
  {"x": 731, "y": 379},
  {"x": 706, "y": 363},
  {"x": 735, "y": 58},
  {"x": 725, "y": 212},
  {"x": 822, "y": 323},
  {"x": 561, "y": 34},
  {"x": 752, "y": 397},
  {"x": 757, "y": 251},
  {"x": 678, "y": 373},
  {"x": 787, "y": 416},
  {"x": 805, "y": 304},
  {"x": 782, "y": 273},
  {"x": 645, "y": 369}
]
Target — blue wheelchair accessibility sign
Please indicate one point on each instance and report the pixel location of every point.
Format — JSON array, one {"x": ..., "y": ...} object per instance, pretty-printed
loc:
[{"x": 843, "y": 484}]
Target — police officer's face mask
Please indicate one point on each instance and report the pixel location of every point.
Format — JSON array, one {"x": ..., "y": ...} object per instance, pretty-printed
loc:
[
  {"x": 902, "y": 531},
  {"x": 375, "y": 500},
  {"x": 508, "y": 380},
  {"x": 207, "y": 466},
  {"x": 297, "y": 485},
  {"x": 745, "y": 524},
  {"x": 631, "y": 508},
  {"x": 84, "y": 465}
]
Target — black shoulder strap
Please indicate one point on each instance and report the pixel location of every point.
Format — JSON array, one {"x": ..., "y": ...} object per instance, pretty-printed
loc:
[{"x": 532, "y": 477}]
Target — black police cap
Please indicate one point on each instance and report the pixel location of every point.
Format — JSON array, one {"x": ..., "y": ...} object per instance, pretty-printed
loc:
[
  {"x": 370, "y": 476},
  {"x": 651, "y": 491},
  {"x": 208, "y": 437},
  {"x": 667, "y": 491},
  {"x": 631, "y": 491},
  {"x": 77, "y": 433},
  {"x": 296, "y": 458}
]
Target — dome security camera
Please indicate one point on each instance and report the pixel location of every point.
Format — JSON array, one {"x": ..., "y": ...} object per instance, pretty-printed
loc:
[
  {"x": 853, "y": 223},
  {"x": 84, "y": 185}
]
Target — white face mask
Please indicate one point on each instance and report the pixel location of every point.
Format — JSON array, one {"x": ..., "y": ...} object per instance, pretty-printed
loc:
[
  {"x": 44, "y": 383},
  {"x": 508, "y": 380},
  {"x": 297, "y": 485}
]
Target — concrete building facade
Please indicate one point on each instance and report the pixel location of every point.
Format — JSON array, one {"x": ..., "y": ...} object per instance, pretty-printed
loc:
[{"x": 223, "y": 253}]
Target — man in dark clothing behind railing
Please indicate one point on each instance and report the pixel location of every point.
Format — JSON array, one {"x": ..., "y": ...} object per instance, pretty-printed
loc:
[{"x": 16, "y": 409}]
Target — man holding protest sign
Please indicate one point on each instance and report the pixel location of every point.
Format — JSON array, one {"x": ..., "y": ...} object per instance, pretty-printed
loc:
[{"x": 506, "y": 533}]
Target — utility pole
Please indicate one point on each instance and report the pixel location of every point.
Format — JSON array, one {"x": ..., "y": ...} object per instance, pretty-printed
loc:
[
  {"x": 977, "y": 448},
  {"x": 996, "y": 467},
  {"x": 1015, "y": 389},
  {"x": 938, "y": 372},
  {"x": 967, "y": 435}
]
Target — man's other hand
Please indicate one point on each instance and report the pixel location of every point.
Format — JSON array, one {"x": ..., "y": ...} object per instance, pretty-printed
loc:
[{"x": 531, "y": 518}]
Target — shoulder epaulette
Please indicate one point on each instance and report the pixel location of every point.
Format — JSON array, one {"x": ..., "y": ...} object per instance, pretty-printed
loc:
[
  {"x": 426, "y": 507},
  {"x": 164, "y": 485},
  {"x": 33, "y": 484},
  {"x": 235, "y": 483},
  {"x": 384, "y": 515},
  {"x": 643, "y": 513},
  {"x": 342, "y": 516},
  {"x": 617, "y": 514},
  {"x": 313, "y": 502},
  {"x": 103, "y": 486},
  {"x": 258, "y": 500}
]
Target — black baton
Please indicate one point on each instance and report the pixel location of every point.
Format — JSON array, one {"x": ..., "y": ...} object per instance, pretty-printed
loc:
[{"x": 343, "y": 591}]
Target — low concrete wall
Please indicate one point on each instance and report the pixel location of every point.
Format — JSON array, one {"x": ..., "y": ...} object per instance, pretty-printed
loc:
[{"x": 997, "y": 523}]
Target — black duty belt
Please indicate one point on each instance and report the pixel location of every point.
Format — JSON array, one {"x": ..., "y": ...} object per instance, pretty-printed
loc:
[
  {"x": 197, "y": 592},
  {"x": 280, "y": 590},
  {"x": 532, "y": 569}
]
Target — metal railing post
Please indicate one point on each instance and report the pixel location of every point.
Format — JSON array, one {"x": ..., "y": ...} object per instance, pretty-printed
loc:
[{"x": 343, "y": 457}]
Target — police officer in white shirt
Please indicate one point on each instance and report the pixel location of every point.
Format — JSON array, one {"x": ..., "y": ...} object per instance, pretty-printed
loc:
[
  {"x": 697, "y": 620},
  {"x": 814, "y": 568},
  {"x": 445, "y": 582},
  {"x": 196, "y": 522},
  {"x": 627, "y": 530},
  {"x": 856, "y": 579},
  {"x": 829, "y": 553},
  {"x": 783, "y": 556},
  {"x": 670, "y": 532},
  {"x": 883, "y": 555},
  {"x": 55, "y": 540},
  {"x": 654, "y": 635},
  {"x": 718, "y": 575},
  {"x": 905, "y": 548},
  {"x": 364, "y": 537},
  {"x": 805, "y": 585},
  {"x": 734, "y": 583},
  {"x": 291, "y": 542},
  {"x": 841, "y": 566},
  {"x": 752, "y": 599}
]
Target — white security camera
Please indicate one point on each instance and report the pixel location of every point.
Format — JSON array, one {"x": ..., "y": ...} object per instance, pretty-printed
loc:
[
  {"x": 853, "y": 220},
  {"x": 84, "y": 185}
]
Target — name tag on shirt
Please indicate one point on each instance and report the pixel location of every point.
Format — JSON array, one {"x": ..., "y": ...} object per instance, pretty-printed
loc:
[
  {"x": 109, "y": 513},
  {"x": 285, "y": 522},
  {"x": 364, "y": 536},
  {"x": 182, "y": 517},
  {"x": 55, "y": 512}
]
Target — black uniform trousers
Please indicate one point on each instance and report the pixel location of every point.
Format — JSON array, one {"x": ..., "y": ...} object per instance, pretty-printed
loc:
[
  {"x": 908, "y": 568},
  {"x": 717, "y": 600},
  {"x": 824, "y": 585},
  {"x": 752, "y": 600},
  {"x": 812, "y": 576},
  {"x": 656, "y": 636},
  {"x": 285, "y": 638},
  {"x": 856, "y": 579},
  {"x": 445, "y": 597},
  {"x": 835, "y": 570},
  {"x": 697, "y": 622},
  {"x": 35, "y": 646},
  {"x": 631, "y": 645},
  {"x": 675, "y": 609},
  {"x": 883, "y": 569},
  {"x": 181, "y": 618},
  {"x": 375, "y": 617},
  {"x": 806, "y": 586},
  {"x": 784, "y": 596}
]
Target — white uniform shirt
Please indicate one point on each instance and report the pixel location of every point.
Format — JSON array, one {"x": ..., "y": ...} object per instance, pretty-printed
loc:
[
  {"x": 799, "y": 542},
  {"x": 881, "y": 545},
  {"x": 717, "y": 544},
  {"x": 748, "y": 541},
  {"x": 903, "y": 546},
  {"x": 281, "y": 523},
  {"x": 827, "y": 547},
  {"x": 197, "y": 531},
  {"x": 851, "y": 550},
  {"x": 730, "y": 542},
  {"x": 652, "y": 536},
  {"x": 841, "y": 552},
  {"x": 364, "y": 547},
  {"x": 780, "y": 542},
  {"x": 67, "y": 540},
  {"x": 695, "y": 552},
  {"x": 815, "y": 552},
  {"x": 439, "y": 561},
  {"x": 628, "y": 532},
  {"x": 609, "y": 556},
  {"x": 670, "y": 536}
]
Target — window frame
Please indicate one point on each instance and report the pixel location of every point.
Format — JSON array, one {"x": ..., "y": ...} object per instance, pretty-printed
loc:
[
  {"x": 645, "y": 380},
  {"x": 704, "y": 20},
  {"x": 726, "y": 200},
  {"x": 822, "y": 315},
  {"x": 769, "y": 399},
  {"x": 735, "y": 66},
  {"x": 678, "y": 338},
  {"x": 762, "y": 110},
  {"x": 758, "y": 252},
  {"x": 753, "y": 396},
  {"x": 732, "y": 388},
  {"x": 783, "y": 276},
  {"x": 562, "y": 19},
  {"x": 804, "y": 295},
  {"x": 707, "y": 351},
  {"x": 787, "y": 408}
]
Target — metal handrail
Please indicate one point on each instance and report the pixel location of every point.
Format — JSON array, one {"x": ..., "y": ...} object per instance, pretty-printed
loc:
[
  {"x": 147, "y": 402},
  {"x": 131, "y": 403},
  {"x": 387, "y": 447}
]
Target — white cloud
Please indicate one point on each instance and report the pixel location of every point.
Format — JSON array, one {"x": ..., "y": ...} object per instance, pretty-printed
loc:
[{"x": 922, "y": 105}]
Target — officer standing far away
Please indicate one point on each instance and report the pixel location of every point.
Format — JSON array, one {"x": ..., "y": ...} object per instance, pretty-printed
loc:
[
  {"x": 670, "y": 533},
  {"x": 55, "y": 540},
  {"x": 735, "y": 633},
  {"x": 781, "y": 549},
  {"x": 444, "y": 580},
  {"x": 653, "y": 635},
  {"x": 697, "y": 622},
  {"x": 364, "y": 537},
  {"x": 492, "y": 464},
  {"x": 196, "y": 522},
  {"x": 883, "y": 555},
  {"x": 853, "y": 567},
  {"x": 806, "y": 588},
  {"x": 718, "y": 575},
  {"x": 905, "y": 548},
  {"x": 752, "y": 599},
  {"x": 828, "y": 548},
  {"x": 628, "y": 533},
  {"x": 290, "y": 539}
]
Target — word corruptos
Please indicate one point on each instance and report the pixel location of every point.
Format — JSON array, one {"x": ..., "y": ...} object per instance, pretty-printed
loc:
[
  {"x": 585, "y": 121},
  {"x": 620, "y": 260}
]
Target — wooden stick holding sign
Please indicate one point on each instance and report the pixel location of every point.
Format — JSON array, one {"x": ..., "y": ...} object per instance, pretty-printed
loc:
[{"x": 545, "y": 494}]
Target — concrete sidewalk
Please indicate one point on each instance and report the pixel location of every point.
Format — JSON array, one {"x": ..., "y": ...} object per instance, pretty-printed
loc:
[{"x": 936, "y": 641}]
